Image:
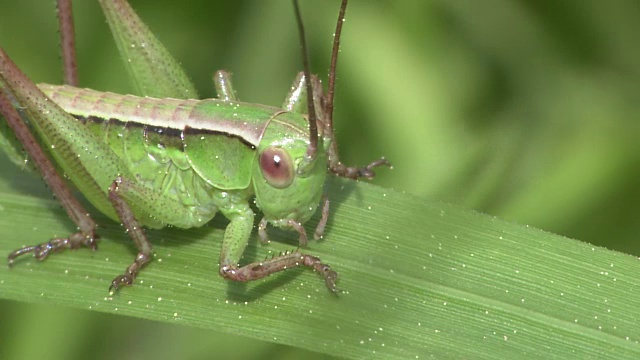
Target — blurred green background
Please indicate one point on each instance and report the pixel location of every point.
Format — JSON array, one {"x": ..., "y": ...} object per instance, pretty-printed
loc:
[{"x": 527, "y": 110}]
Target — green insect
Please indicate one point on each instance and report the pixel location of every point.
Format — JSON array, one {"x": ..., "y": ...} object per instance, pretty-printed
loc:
[{"x": 167, "y": 159}]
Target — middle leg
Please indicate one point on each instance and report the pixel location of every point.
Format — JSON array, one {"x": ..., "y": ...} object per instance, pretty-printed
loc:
[{"x": 136, "y": 232}]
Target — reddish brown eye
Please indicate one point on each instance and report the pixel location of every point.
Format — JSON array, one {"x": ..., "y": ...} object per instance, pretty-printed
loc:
[{"x": 277, "y": 167}]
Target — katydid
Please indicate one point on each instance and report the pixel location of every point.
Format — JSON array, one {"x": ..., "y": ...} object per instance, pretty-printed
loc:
[{"x": 168, "y": 159}]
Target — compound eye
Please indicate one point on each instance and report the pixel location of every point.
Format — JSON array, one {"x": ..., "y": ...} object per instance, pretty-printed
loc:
[{"x": 277, "y": 167}]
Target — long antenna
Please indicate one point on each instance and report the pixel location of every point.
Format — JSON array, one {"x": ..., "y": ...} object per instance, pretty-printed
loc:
[
  {"x": 335, "y": 166},
  {"x": 332, "y": 68},
  {"x": 313, "y": 126}
]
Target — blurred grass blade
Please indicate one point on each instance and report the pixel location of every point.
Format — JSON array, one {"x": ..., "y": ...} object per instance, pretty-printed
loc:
[{"x": 421, "y": 279}]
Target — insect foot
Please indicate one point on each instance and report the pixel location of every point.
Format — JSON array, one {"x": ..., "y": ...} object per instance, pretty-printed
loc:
[
  {"x": 358, "y": 172},
  {"x": 258, "y": 270},
  {"x": 130, "y": 274},
  {"x": 41, "y": 251}
]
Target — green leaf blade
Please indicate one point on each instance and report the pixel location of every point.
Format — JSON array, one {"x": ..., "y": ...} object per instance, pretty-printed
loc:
[{"x": 420, "y": 278}]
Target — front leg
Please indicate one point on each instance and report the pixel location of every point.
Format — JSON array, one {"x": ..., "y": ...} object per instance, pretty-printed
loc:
[
  {"x": 264, "y": 238},
  {"x": 298, "y": 227},
  {"x": 236, "y": 237}
]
